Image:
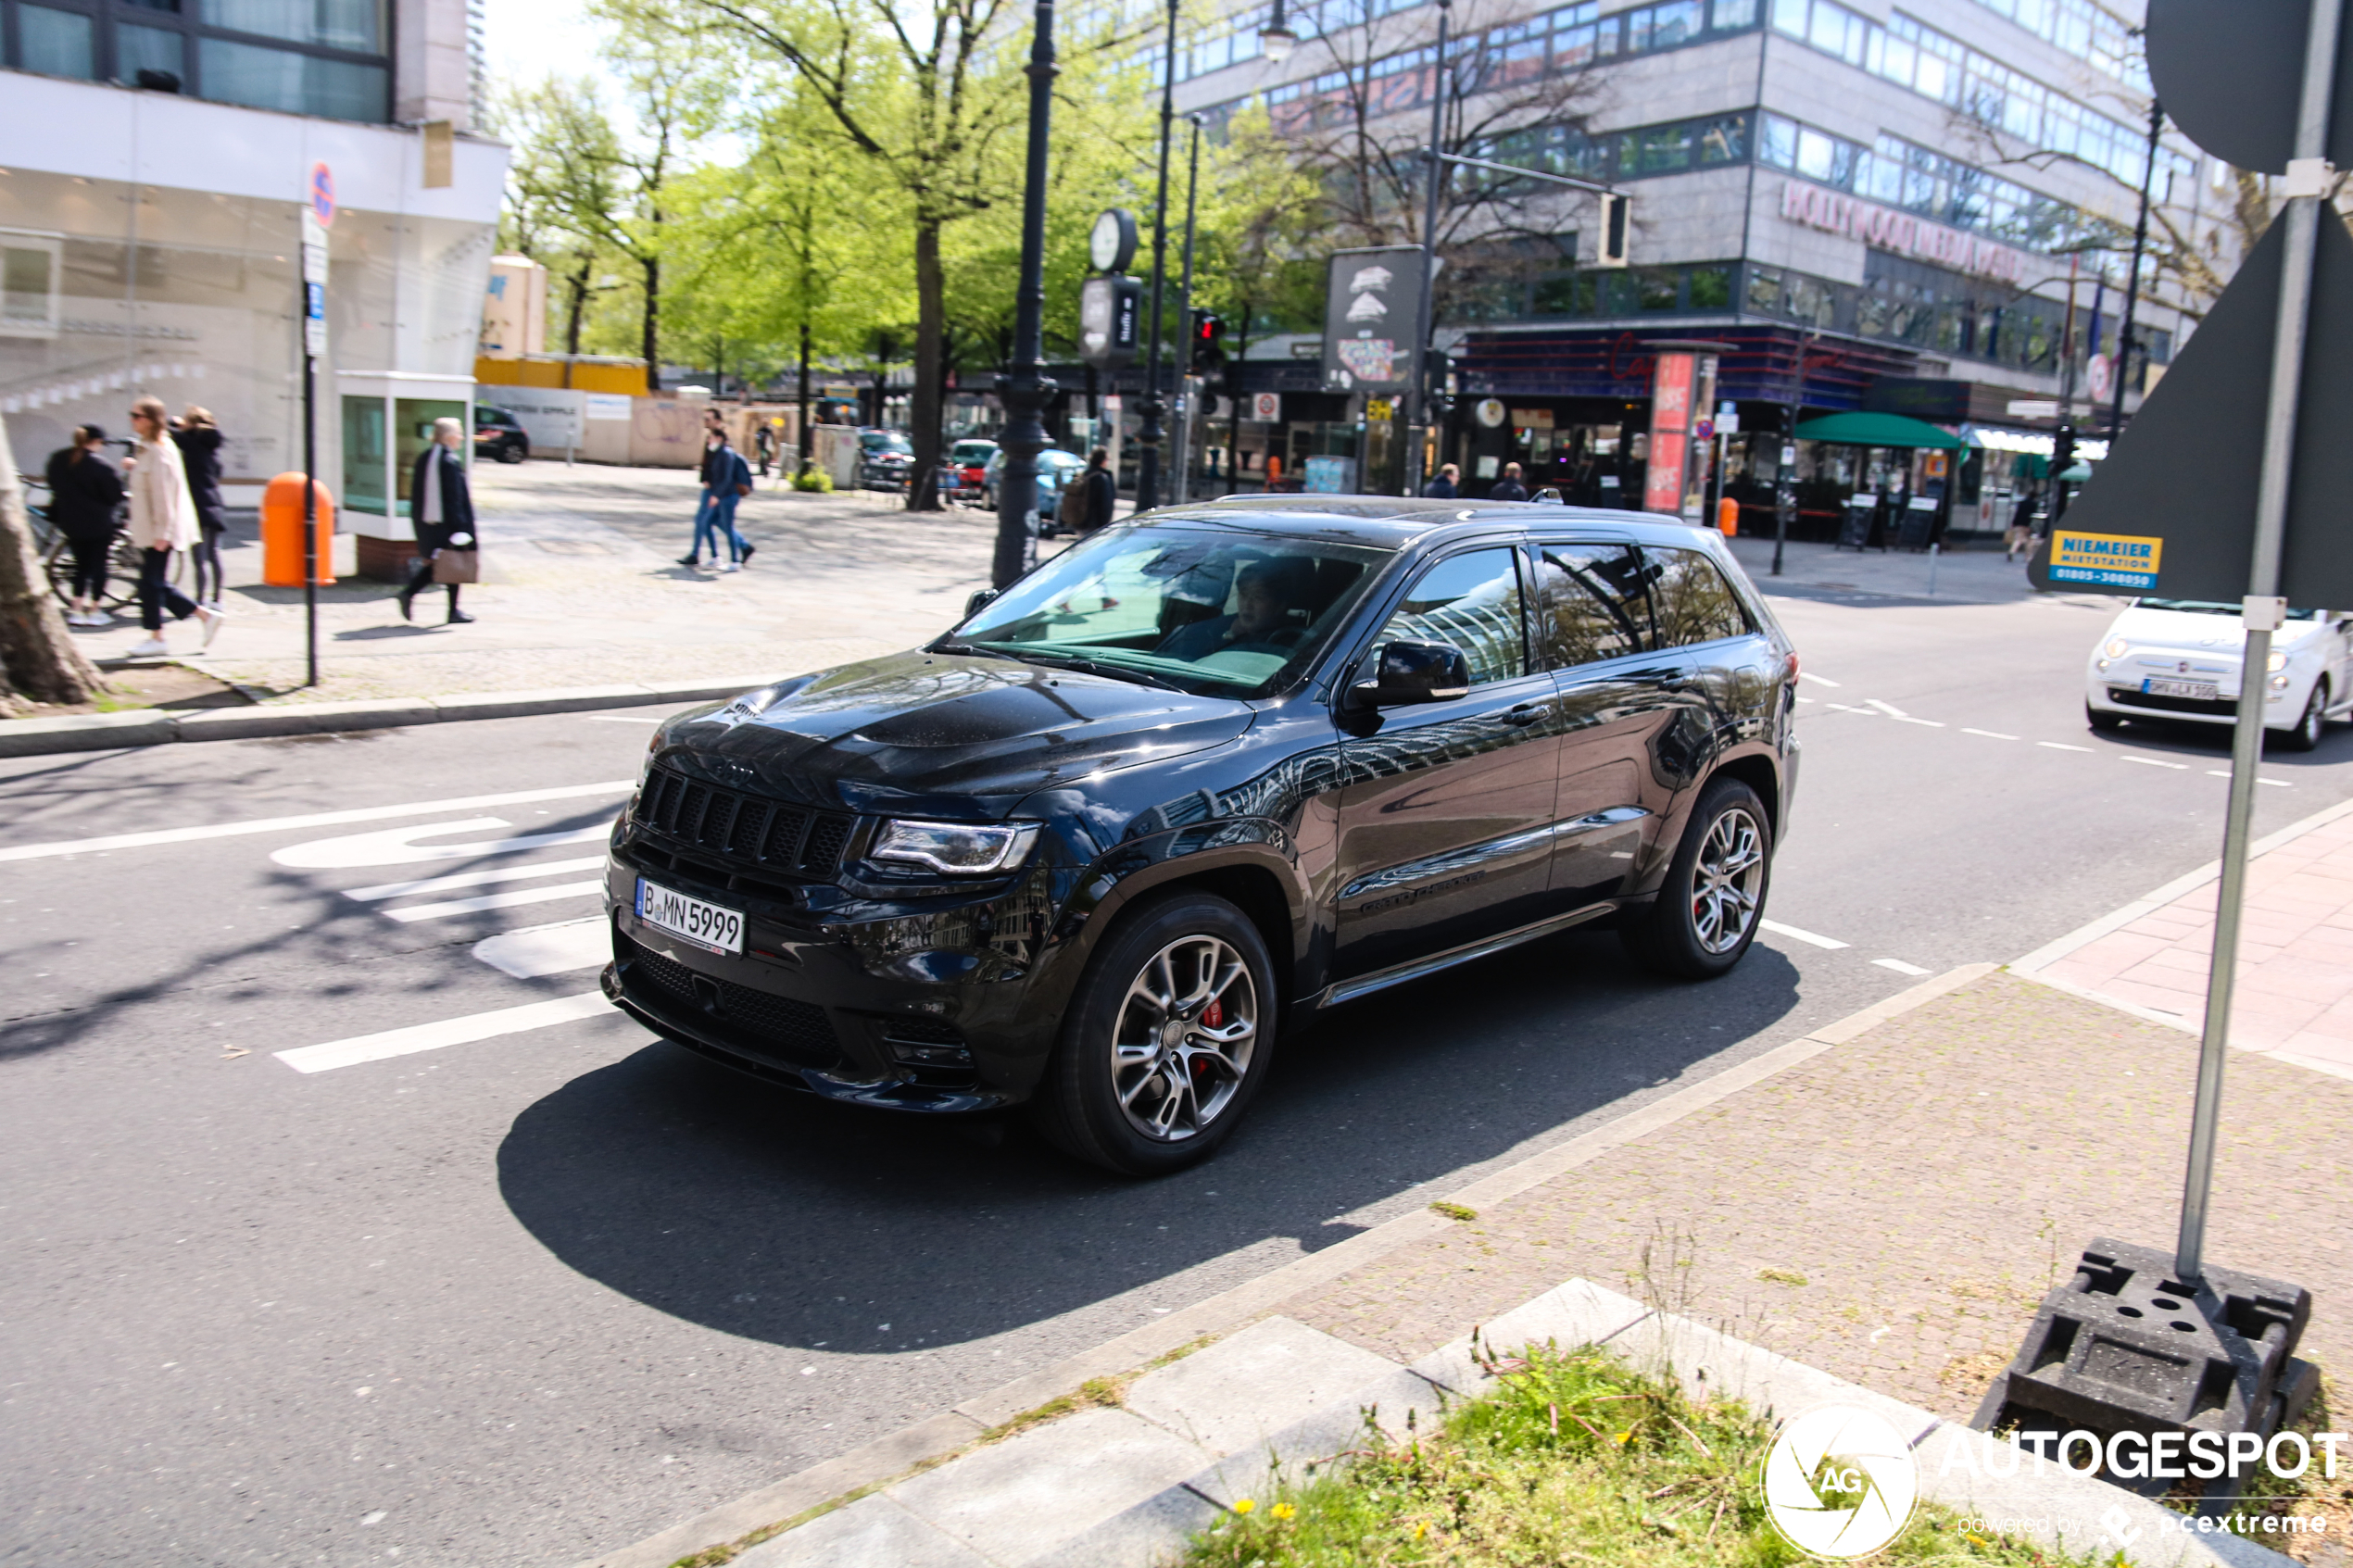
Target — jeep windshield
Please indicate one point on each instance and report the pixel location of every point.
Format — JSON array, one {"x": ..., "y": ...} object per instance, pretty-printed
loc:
[{"x": 1211, "y": 611}]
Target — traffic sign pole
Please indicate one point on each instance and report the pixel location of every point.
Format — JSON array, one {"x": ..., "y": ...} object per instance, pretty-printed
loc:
[
  {"x": 2262, "y": 609},
  {"x": 316, "y": 214}
]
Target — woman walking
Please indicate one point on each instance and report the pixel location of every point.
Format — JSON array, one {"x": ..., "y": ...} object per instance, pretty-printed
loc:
[
  {"x": 441, "y": 509},
  {"x": 163, "y": 518},
  {"x": 199, "y": 442},
  {"x": 84, "y": 491}
]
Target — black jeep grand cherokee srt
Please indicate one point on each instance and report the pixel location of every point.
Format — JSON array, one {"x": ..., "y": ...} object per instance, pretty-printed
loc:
[{"x": 1199, "y": 775}]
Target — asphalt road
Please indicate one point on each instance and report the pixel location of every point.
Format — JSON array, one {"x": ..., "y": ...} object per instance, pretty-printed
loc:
[{"x": 524, "y": 1297}]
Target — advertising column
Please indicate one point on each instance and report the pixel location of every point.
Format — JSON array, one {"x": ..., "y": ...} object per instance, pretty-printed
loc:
[{"x": 1670, "y": 432}]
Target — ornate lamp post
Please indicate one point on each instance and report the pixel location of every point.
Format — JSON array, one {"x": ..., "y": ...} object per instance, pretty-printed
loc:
[
  {"x": 1024, "y": 386},
  {"x": 1149, "y": 436}
]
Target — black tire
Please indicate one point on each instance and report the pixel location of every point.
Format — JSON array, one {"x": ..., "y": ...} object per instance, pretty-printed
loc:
[
  {"x": 2102, "y": 719},
  {"x": 1169, "y": 1077},
  {"x": 1685, "y": 933},
  {"x": 2311, "y": 725},
  {"x": 512, "y": 451}
]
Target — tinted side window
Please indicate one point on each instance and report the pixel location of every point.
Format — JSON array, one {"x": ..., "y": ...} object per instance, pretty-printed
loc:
[
  {"x": 1590, "y": 604},
  {"x": 1690, "y": 600},
  {"x": 1473, "y": 601}
]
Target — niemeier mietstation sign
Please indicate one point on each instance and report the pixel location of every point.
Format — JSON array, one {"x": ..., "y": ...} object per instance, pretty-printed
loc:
[{"x": 1900, "y": 231}]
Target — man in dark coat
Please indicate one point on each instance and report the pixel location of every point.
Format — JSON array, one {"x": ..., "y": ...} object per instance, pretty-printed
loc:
[
  {"x": 1103, "y": 488},
  {"x": 1445, "y": 487},
  {"x": 440, "y": 509},
  {"x": 1508, "y": 488},
  {"x": 86, "y": 497}
]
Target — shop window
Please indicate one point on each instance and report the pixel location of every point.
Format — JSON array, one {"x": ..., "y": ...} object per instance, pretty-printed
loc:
[
  {"x": 1572, "y": 293},
  {"x": 1711, "y": 288},
  {"x": 363, "y": 455},
  {"x": 30, "y": 268},
  {"x": 1664, "y": 149},
  {"x": 1811, "y": 301},
  {"x": 1724, "y": 140},
  {"x": 1764, "y": 291},
  {"x": 1656, "y": 288},
  {"x": 56, "y": 43}
]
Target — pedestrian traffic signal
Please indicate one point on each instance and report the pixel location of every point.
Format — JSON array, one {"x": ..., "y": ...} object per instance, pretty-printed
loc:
[
  {"x": 1209, "y": 340},
  {"x": 1615, "y": 226}
]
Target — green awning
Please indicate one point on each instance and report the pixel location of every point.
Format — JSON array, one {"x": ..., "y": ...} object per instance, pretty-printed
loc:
[{"x": 1879, "y": 430}]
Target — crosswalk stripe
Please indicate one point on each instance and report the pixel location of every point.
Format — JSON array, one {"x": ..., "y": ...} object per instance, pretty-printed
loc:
[
  {"x": 495, "y": 900},
  {"x": 319, "y": 819},
  {"x": 531, "y": 951},
  {"x": 448, "y": 1031},
  {"x": 472, "y": 879}
]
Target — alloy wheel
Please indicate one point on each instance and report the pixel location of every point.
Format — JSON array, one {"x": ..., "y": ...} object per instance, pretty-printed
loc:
[
  {"x": 1728, "y": 885},
  {"x": 1185, "y": 1033}
]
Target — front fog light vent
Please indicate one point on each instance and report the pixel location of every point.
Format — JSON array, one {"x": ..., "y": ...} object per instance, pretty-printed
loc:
[{"x": 925, "y": 1042}]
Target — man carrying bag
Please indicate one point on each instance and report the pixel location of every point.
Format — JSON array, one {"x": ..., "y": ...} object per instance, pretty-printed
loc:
[{"x": 441, "y": 509}]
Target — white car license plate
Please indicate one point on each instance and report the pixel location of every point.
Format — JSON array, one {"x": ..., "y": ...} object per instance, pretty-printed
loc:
[
  {"x": 706, "y": 925},
  {"x": 2205, "y": 691}
]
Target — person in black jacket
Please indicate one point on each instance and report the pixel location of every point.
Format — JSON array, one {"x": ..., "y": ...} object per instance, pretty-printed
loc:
[
  {"x": 1103, "y": 488},
  {"x": 86, "y": 498},
  {"x": 441, "y": 509},
  {"x": 199, "y": 442},
  {"x": 1508, "y": 488}
]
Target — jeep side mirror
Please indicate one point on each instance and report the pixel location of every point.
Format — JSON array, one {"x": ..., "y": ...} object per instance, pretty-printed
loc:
[
  {"x": 1410, "y": 671},
  {"x": 980, "y": 596}
]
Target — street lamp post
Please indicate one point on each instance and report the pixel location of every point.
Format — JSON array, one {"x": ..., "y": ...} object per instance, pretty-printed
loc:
[
  {"x": 1417, "y": 391},
  {"x": 1181, "y": 471},
  {"x": 1149, "y": 436},
  {"x": 1024, "y": 387},
  {"x": 2133, "y": 279}
]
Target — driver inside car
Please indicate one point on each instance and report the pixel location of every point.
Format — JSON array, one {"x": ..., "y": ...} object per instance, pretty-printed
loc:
[{"x": 1266, "y": 594}]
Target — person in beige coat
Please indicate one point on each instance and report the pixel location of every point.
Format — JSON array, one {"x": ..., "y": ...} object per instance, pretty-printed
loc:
[{"x": 163, "y": 518}]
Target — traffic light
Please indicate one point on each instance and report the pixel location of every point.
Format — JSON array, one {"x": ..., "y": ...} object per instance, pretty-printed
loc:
[
  {"x": 1616, "y": 225},
  {"x": 1438, "y": 389},
  {"x": 2062, "y": 459},
  {"x": 1209, "y": 341}
]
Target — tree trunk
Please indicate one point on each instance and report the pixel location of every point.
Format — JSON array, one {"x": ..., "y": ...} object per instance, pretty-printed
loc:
[
  {"x": 37, "y": 655},
  {"x": 574, "y": 316},
  {"x": 931, "y": 317},
  {"x": 649, "y": 338},
  {"x": 808, "y": 442}
]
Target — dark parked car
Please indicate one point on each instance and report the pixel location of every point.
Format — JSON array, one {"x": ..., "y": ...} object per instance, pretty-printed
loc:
[
  {"x": 499, "y": 434},
  {"x": 884, "y": 458},
  {"x": 1196, "y": 778}
]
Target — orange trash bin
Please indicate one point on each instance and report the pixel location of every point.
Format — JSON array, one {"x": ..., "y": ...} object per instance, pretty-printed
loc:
[
  {"x": 1727, "y": 516},
  {"x": 282, "y": 532}
]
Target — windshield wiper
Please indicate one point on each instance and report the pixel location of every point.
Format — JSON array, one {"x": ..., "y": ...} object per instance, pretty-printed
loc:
[
  {"x": 1094, "y": 667},
  {"x": 971, "y": 649}
]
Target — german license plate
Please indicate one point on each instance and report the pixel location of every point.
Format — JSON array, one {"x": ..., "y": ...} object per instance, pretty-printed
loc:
[
  {"x": 2205, "y": 691},
  {"x": 706, "y": 925}
]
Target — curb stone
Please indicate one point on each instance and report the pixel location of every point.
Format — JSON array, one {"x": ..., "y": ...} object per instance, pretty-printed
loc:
[
  {"x": 1125, "y": 1487},
  {"x": 876, "y": 1463},
  {"x": 109, "y": 732}
]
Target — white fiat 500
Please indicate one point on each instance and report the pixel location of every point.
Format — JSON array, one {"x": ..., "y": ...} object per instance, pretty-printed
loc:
[{"x": 2179, "y": 659}]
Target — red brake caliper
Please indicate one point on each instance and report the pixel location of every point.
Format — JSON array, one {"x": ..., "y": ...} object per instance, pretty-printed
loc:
[{"x": 1214, "y": 1015}]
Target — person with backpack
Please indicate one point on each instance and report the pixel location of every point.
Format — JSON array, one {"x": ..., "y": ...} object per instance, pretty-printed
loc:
[
  {"x": 84, "y": 495},
  {"x": 198, "y": 439},
  {"x": 726, "y": 480}
]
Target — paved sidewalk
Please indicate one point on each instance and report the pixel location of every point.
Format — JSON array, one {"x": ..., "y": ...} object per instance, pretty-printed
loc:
[
  {"x": 582, "y": 589},
  {"x": 1978, "y": 574},
  {"x": 1893, "y": 1209},
  {"x": 2293, "y": 993}
]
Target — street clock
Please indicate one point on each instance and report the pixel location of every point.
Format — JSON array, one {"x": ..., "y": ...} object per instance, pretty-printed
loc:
[{"x": 1113, "y": 245}]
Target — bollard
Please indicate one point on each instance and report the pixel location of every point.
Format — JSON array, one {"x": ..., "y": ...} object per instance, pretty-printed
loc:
[
  {"x": 1931, "y": 569},
  {"x": 282, "y": 532}
]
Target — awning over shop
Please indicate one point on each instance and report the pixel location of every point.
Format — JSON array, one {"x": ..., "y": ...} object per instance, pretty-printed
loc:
[{"x": 1879, "y": 430}]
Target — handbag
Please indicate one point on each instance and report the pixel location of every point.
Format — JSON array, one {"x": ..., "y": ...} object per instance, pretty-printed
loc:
[
  {"x": 1071, "y": 510},
  {"x": 457, "y": 566}
]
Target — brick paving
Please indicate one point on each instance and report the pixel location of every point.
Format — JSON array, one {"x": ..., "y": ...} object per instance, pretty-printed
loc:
[
  {"x": 2294, "y": 995},
  {"x": 1892, "y": 1209}
]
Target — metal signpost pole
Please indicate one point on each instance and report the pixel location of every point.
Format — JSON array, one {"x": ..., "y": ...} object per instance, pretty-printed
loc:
[
  {"x": 1426, "y": 329},
  {"x": 1025, "y": 387},
  {"x": 1180, "y": 470},
  {"x": 318, "y": 211},
  {"x": 2305, "y": 187}
]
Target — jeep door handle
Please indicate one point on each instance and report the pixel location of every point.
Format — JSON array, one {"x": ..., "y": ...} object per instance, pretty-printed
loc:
[{"x": 1525, "y": 713}]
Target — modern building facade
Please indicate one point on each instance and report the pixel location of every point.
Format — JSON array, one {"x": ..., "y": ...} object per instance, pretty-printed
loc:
[
  {"x": 1910, "y": 206},
  {"x": 152, "y": 234}
]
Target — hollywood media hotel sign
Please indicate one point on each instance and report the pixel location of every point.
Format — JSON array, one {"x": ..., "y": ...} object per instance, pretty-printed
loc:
[{"x": 1900, "y": 233}]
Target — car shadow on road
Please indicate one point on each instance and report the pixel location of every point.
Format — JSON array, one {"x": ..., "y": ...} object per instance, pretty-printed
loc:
[{"x": 760, "y": 1212}]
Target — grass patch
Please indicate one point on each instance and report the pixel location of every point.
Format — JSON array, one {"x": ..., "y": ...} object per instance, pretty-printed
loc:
[
  {"x": 1455, "y": 1212},
  {"x": 1781, "y": 1277},
  {"x": 1574, "y": 1458}
]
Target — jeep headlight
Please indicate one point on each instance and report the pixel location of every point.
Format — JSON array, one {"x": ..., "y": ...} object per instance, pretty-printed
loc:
[
  {"x": 959, "y": 848},
  {"x": 645, "y": 765}
]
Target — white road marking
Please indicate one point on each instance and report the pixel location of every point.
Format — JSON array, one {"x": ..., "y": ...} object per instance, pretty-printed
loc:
[
  {"x": 1908, "y": 719},
  {"x": 448, "y": 1031},
  {"x": 1806, "y": 699},
  {"x": 1865, "y": 712},
  {"x": 2061, "y": 745},
  {"x": 472, "y": 879},
  {"x": 318, "y": 820},
  {"x": 392, "y": 847},
  {"x": 1819, "y": 680},
  {"x": 1989, "y": 735},
  {"x": 534, "y": 950},
  {"x": 2153, "y": 762},
  {"x": 1887, "y": 708},
  {"x": 2225, "y": 772},
  {"x": 495, "y": 901},
  {"x": 1796, "y": 936},
  {"x": 619, "y": 718},
  {"x": 1899, "y": 966}
]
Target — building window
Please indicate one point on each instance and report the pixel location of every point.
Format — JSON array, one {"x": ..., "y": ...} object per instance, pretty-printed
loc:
[
  {"x": 32, "y": 274},
  {"x": 324, "y": 58}
]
